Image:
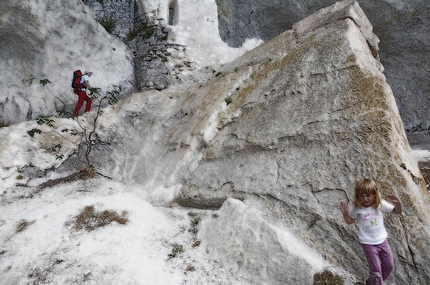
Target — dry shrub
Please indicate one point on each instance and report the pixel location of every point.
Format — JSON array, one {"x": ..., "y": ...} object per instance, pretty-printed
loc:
[
  {"x": 327, "y": 277},
  {"x": 90, "y": 220}
]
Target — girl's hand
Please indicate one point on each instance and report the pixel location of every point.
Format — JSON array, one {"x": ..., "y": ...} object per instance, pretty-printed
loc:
[
  {"x": 345, "y": 213},
  {"x": 398, "y": 208},
  {"x": 343, "y": 207},
  {"x": 394, "y": 199}
]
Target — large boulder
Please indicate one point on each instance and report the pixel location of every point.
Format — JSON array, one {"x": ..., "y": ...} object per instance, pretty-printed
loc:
[
  {"x": 402, "y": 26},
  {"x": 49, "y": 40}
]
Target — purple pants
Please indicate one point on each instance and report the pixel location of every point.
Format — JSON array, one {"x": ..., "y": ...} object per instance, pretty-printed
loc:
[{"x": 380, "y": 260}]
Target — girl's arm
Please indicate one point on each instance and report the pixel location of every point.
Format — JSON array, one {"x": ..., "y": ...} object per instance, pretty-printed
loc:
[
  {"x": 345, "y": 213},
  {"x": 398, "y": 208}
]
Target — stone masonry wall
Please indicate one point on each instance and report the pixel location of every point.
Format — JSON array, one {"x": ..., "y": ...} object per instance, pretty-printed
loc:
[
  {"x": 121, "y": 12},
  {"x": 158, "y": 63}
]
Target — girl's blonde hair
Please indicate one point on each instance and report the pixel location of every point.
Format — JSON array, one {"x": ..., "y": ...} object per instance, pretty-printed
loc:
[{"x": 366, "y": 186}]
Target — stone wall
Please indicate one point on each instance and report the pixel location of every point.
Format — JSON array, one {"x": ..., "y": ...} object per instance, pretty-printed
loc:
[
  {"x": 158, "y": 63},
  {"x": 120, "y": 12}
]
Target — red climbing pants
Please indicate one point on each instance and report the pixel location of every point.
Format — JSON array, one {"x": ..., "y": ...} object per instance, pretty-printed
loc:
[{"x": 82, "y": 97}]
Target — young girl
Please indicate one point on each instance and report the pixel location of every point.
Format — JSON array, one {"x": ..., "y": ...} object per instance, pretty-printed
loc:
[{"x": 368, "y": 210}]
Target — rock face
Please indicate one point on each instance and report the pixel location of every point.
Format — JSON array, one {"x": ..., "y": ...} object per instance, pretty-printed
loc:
[
  {"x": 49, "y": 40},
  {"x": 402, "y": 26},
  {"x": 288, "y": 129},
  {"x": 274, "y": 141}
]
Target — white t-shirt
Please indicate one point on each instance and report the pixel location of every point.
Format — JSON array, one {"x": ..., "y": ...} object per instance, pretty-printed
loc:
[
  {"x": 371, "y": 229},
  {"x": 84, "y": 78}
]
